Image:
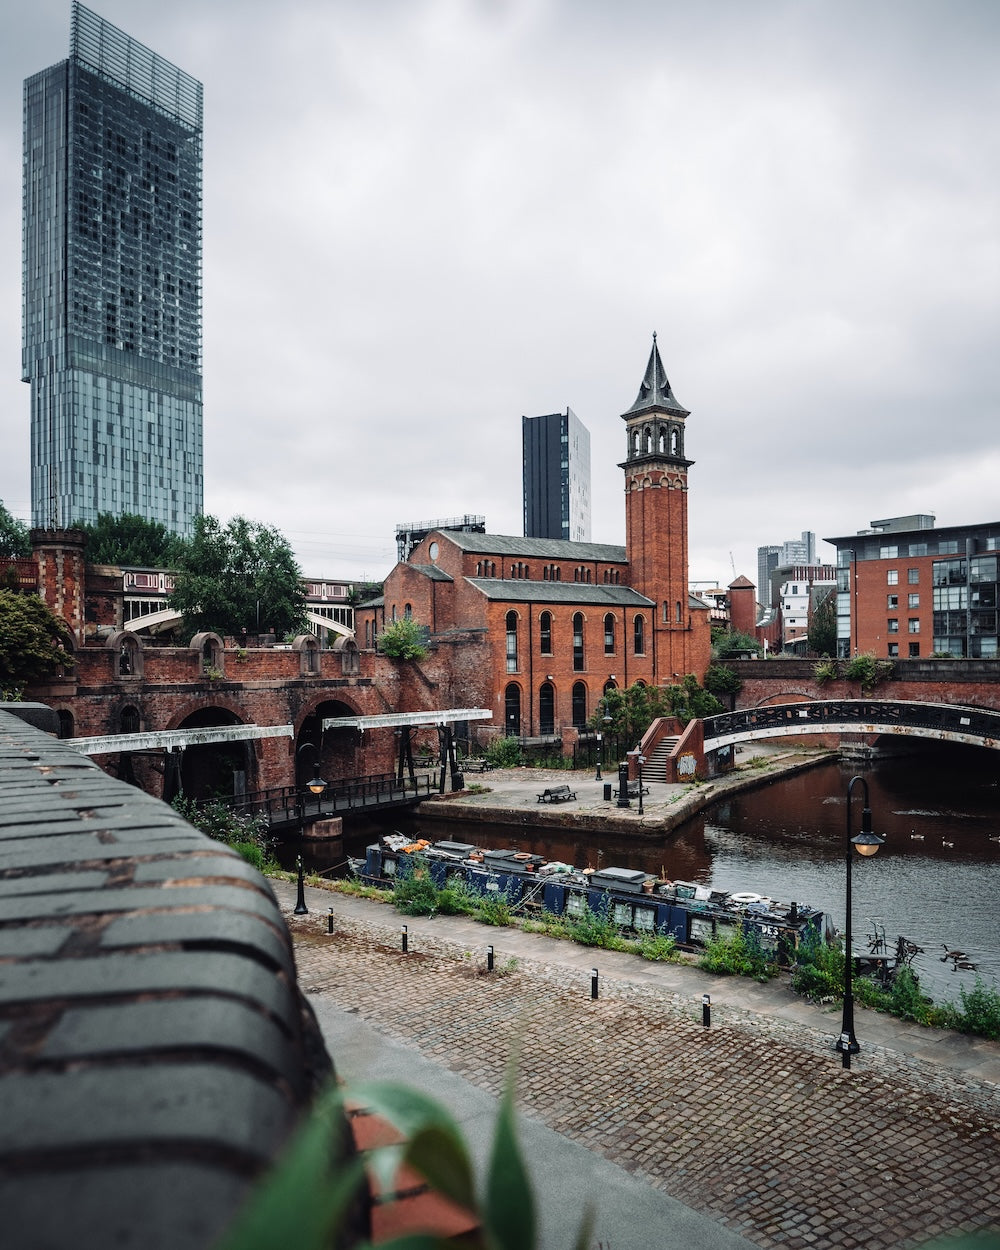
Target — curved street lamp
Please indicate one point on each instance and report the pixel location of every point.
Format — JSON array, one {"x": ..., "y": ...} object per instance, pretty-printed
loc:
[
  {"x": 316, "y": 785},
  {"x": 865, "y": 843}
]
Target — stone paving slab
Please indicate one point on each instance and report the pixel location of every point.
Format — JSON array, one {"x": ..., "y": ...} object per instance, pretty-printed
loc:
[{"x": 753, "y": 1121}]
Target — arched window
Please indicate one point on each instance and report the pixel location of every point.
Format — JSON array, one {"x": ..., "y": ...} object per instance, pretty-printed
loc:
[
  {"x": 579, "y": 705},
  {"x": 545, "y": 633},
  {"x": 609, "y": 633},
  {"x": 65, "y": 723},
  {"x": 546, "y": 709},
  {"x": 661, "y": 439},
  {"x": 675, "y": 442},
  {"x": 677, "y": 609},
  {"x": 408, "y": 611},
  {"x": 512, "y": 710},
  {"x": 639, "y": 635},
  {"x": 479, "y": 568},
  {"x": 129, "y": 720},
  {"x": 511, "y": 642},
  {"x": 578, "y": 642}
]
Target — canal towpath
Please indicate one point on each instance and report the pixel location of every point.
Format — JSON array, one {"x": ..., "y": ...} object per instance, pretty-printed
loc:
[{"x": 746, "y": 1132}]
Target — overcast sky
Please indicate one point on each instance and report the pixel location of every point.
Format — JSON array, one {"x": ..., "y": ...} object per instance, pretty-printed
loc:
[{"x": 425, "y": 218}]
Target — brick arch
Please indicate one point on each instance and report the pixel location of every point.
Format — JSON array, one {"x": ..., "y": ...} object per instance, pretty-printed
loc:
[{"x": 336, "y": 753}]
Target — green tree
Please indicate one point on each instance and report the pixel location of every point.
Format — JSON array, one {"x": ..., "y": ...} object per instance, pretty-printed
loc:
[
  {"x": 689, "y": 701},
  {"x": 631, "y": 711},
  {"x": 727, "y": 640},
  {"x": 33, "y": 642},
  {"x": 238, "y": 576},
  {"x": 721, "y": 680},
  {"x": 15, "y": 542},
  {"x": 822, "y": 635},
  {"x": 130, "y": 540},
  {"x": 403, "y": 640}
]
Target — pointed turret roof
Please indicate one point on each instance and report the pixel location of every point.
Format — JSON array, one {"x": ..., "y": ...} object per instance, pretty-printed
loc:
[{"x": 655, "y": 392}]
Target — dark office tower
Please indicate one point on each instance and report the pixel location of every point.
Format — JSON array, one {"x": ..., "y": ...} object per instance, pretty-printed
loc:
[
  {"x": 112, "y": 282},
  {"x": 556, "y": 477}
]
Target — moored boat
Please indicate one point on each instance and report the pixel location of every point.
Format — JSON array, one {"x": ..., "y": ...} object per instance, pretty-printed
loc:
[{"x": 635, "y": 902}]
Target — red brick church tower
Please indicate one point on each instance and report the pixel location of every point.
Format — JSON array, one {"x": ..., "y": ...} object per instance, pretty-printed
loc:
[{"x": 656, "y": 525}]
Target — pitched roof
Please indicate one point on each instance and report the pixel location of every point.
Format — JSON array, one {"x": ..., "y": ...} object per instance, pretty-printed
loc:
[
  {"x": 524, "y": 590},
  {"x": 536, "y": 548},
  {"x": 654, "y": 390}
]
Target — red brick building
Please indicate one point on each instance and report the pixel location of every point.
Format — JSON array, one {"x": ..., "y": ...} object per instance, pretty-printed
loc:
[
  {"x": 537, "y": 629},
  {"x": 909, "y": 589}
]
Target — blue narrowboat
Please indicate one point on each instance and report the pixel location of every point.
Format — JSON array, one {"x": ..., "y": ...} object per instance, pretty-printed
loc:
[{"x": 635, "y": 902}]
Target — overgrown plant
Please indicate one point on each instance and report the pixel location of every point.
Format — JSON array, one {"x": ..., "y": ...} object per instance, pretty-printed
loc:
[
  {"x": 250, "y": 835},
  {"x": 504, "y": 753},
  {"x": 738, "y": 954},
  {"x": 403, "y": 639},
  {"x": 868, "y": 671},
  {"x": 825, "y": 671}
]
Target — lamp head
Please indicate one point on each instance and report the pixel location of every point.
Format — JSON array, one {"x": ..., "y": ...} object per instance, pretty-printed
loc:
[{"x": 317, "y": 785}]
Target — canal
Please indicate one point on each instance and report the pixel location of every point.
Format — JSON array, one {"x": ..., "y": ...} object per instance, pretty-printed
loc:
[{"x": 936, "y": 881}]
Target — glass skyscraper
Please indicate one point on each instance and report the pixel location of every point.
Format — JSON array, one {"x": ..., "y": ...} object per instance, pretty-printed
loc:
[{"x": 112, "y": 282}]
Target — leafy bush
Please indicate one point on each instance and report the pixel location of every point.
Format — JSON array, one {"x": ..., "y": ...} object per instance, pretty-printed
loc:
[
  {"x": 493, "y": 908},
  {"x": 738, "y": 955},
  {"x": 504, "y": 753},
  {"x": 868, "y": 670},
  {"x": 658, "y": 946},
  {"x": 824, "y": 671},
  {"x": 250, "y": 835},
  {"x": 403, "y": 640},
  {"x": 592, "y": 929},
  {"x": 415, "y": 894},
  {"x": 456, "y": 899},
  {"x": 980, "y": 1010},
  {"x": 719, "y": 680}
]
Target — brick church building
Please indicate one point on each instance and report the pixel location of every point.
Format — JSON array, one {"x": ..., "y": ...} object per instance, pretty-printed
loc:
[{"x": 538, "y": 629}]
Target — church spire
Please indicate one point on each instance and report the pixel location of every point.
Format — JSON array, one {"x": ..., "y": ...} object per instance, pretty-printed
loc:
[{"x": 654, "y": 391}]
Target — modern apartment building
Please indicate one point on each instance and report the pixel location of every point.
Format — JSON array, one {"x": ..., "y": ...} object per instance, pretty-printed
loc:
[
  {"x": 112, "y": 282},
  {"x": 908, "y": 588},
  {"x": 556, "y": 477}
]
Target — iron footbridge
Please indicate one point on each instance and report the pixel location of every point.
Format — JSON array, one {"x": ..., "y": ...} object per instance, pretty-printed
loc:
[
  {"x": 943, "y": 722},
  {"x": 288, "y": 808}
]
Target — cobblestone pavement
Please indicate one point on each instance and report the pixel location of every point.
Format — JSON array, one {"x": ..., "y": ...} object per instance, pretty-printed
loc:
[{"x": 752, "y": 1121}]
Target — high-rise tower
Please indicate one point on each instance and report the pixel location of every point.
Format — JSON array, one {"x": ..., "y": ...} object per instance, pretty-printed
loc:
[
  {"x": 556, "y": 477},
  {"x": 112, "y": 282},
  {"x": 656, "y": 522}
]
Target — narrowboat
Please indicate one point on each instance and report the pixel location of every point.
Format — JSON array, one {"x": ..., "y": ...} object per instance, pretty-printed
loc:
[{"x": 635, "y": 902}]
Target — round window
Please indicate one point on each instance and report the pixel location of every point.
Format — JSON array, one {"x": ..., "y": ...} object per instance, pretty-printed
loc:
[{"x": 433, "y": 551}]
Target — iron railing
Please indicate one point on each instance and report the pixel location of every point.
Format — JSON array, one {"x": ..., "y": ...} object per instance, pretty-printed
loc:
[
  {"x": 290, "y": 805},
  {"x": 974, "y": 722}
]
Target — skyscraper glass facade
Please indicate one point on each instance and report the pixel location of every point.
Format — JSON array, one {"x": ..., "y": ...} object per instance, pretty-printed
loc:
[{"x": 112, "y": 282}]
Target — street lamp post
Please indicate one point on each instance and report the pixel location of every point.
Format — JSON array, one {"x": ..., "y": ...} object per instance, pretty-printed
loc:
[
  {"x": 598, "y": 776},
  {"x": 640, "y": 760},
  {"x": 316, "y": 785},
  {"x": 865, "y": 843}
]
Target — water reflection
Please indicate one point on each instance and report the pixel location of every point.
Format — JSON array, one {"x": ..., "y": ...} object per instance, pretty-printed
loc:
[{"x": 936, "y": 881}]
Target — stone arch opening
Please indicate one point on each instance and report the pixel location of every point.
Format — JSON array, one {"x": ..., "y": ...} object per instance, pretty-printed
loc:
[
  {"x": 333, "y": 754},
  {"x": 215, "y": 769}
]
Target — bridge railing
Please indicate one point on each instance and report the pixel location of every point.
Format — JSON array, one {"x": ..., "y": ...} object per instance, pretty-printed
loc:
[
  {"x": 978, "y": 722},
  {"x": 289, "y": 804}
]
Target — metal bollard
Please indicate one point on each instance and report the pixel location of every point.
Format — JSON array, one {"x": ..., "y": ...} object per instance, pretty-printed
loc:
[
  {"x": 593, "y": 983},
  {"x": 404, "y": 939},
  {"x": 329, "y": 920},
  {"x": 300, "y": 901},
  {"x": 706, "y": 1010},
  {"x": 489, "y": 959}
]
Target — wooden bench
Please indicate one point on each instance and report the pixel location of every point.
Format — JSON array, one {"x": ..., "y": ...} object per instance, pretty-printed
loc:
[
  {"x": 557, "y": 794},
  {"x": 476, "y": 766}
]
